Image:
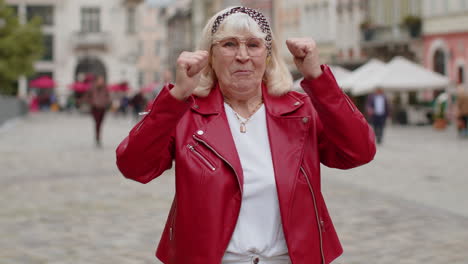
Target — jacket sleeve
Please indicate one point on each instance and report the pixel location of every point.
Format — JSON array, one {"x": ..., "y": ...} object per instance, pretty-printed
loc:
[
  {"x": 345, "y": 138},
  {"x": 148, "y": 150}
]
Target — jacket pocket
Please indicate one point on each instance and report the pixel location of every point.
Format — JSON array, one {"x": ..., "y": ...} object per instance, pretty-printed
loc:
[{"x": 201, "y": 157}]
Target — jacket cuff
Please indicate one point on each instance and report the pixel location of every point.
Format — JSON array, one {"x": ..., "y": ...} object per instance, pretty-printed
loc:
[
  {"x": 324, "y": 84},
  {"x": 166, "y": 103}
]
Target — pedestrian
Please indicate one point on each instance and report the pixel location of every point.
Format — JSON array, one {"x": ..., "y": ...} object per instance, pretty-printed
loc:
[
  {"x": 377, "y": 108},
  {"x": 247, "y": 149},
  {"x": 138, "y": 103},
  {"x": 462, "y": 107},
  {"x": 99, "y": 99}
]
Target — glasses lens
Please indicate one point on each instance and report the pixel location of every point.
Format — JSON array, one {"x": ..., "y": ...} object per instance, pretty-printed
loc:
[{"x": 231, "y": 46}]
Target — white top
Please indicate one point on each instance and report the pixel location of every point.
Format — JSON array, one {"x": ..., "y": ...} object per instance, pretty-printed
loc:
[
  {"x": 259, "y": 231},
  {"x": 379, "y": 104}
]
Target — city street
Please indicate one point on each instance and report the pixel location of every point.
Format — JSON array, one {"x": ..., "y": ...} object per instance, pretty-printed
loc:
[{"x": 64, "y": 201}]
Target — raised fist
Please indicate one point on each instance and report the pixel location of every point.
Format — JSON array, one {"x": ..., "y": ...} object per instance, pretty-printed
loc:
[
  {"x": 189, "y": 68},
  {"x": 306, "y": 56}
]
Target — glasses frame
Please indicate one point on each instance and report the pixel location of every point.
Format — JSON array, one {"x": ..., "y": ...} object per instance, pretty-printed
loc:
[{"x": 240, "y": 41}]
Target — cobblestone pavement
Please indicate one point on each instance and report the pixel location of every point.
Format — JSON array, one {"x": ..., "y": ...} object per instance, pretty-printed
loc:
[{"x": 64, "y": 201}]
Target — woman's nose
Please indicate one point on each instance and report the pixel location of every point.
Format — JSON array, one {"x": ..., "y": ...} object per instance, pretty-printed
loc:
[{"x": 242, "y": 52}]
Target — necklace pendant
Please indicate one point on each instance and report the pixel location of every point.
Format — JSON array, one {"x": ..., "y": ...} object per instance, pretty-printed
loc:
[{"x": 243, "y": 128}]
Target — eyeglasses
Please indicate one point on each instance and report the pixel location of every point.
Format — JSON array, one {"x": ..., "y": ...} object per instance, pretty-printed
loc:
[{"x": 230, "y": 46}]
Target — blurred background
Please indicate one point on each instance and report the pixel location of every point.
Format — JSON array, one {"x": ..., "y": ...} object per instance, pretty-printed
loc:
[{"x": 64, "y": 201}]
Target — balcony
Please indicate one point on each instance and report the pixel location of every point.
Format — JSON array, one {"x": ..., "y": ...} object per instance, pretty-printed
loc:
[
  {"x": 387, "y": 35},
  {"x": 91, "y": 40}
]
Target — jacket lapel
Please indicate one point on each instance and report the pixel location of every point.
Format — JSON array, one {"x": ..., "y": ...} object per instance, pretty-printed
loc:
[
  {"x": 216, "y": 134},
  {"x": 287, "y": 133}
]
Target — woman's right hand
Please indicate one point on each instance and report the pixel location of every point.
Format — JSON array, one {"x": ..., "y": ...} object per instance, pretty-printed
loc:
[{"x": 189, "y": 68}]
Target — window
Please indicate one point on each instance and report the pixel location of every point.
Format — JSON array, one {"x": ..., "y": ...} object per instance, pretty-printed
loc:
[
  {"x": 131, "y": 19},
  {"x": 48, "y": 48},
  {"x": 157, "y": 49},
  {"x": 439, "y": 62},
  {"x": 461, "y": 74},
  {"x": 14, "y": 8},
  {"x": 45, "y": 12},
  {"x": 90, "y": 19}
]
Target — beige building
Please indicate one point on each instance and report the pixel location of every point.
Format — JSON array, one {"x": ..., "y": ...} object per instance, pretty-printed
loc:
[
  {"x": 153, "y": 45},
  {"x": 85, "y": 36},
  {"x": 349, "y": 16}
]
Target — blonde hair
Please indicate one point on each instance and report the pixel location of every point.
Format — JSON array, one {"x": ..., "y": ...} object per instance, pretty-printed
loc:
[{"x": 277, "y": 77}]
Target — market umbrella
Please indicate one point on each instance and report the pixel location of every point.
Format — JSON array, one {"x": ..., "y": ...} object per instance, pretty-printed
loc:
[
  {"x": 361, "y": 74},
  {"x": 80, "y": 86},
  {"x": 43, "y": 82},
  {"x": 339, "y": 72},
  {"x": 401, "y": 74},
  {"x": 119, "y": 87}
]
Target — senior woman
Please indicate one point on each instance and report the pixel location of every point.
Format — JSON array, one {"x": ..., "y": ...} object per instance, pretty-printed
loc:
[{"x": 247, "y": 149}]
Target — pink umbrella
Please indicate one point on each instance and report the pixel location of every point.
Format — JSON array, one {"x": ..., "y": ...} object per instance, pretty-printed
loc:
[
  {"x": 89, "y": 78},
  {"x": 43, "y": 82},
  {"x": 150, "y": 87},
  {"x": 80, "y": 86},
  {"x": 120, "y": 87}
]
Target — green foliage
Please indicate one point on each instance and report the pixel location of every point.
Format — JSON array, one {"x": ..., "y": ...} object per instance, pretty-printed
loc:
[
  {"x": 412, "y": 21},
  {"x": 366, "y": 24},
  {"x": 20, "y": 46},
  {"x": 414, "y": 25}
]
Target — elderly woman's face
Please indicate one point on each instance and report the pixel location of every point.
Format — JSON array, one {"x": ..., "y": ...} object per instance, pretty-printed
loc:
[{"x": 239, "y": 60}]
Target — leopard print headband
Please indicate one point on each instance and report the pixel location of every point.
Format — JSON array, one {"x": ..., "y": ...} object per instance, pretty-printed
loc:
[{"x": 254, "y": 14}]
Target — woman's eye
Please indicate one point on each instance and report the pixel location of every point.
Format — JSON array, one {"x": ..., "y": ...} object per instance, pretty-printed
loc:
[{"x": 229, "y": 44}]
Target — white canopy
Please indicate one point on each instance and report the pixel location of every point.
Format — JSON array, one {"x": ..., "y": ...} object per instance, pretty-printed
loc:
[
  {"x": 339, "y": 72},
  {"x": 362, "y": 73},
  {"x": 400, "y": 74}
]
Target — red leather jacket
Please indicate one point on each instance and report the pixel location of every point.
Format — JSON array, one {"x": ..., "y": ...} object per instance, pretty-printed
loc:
[{"x": 322, "y": 126}]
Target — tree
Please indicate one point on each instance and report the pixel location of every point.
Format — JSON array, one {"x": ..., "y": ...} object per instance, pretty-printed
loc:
[{"x": 20, "y": 46}]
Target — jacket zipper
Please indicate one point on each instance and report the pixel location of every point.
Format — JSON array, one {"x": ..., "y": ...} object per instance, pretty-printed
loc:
[
  {"x": 171, "y": 229},
  {"x": 232, "y": 167},
  {"x": 319, "y": 222},
  {"x": 221, "y": 157},
  {"x": 201, "y": 157}
]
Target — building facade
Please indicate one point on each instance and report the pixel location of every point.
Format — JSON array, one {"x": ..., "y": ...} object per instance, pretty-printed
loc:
[
  {"x": 392, "y": 28},
  {"x": 446, "y": 38},
  {"x": 349, "y": 16},
  {"x": 81, "y": 37}
]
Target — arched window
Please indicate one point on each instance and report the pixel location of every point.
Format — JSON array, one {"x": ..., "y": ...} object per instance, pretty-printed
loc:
[
  {"x": 90, "y": 65},
  {"x": 439, "y": 62},
  {"x": 461, "y": 74}
]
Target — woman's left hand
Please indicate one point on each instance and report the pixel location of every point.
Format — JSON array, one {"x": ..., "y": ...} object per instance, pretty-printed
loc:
[{"x": 306, "y": 56}]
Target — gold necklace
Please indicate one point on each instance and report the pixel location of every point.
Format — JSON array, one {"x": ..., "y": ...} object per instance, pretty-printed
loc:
[{"x": 243, "y": 128}]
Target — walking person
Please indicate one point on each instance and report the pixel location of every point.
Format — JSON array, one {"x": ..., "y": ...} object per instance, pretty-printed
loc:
[
  {"x": 138, "y": 103},
  {"x": 377, "y": 108},
  {"x": 247, "y": 149},
  {"x": 99, "y": 100}
]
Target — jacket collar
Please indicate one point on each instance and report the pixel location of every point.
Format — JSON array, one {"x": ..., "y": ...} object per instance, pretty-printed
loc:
[{"x": 275, "y": 105}]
